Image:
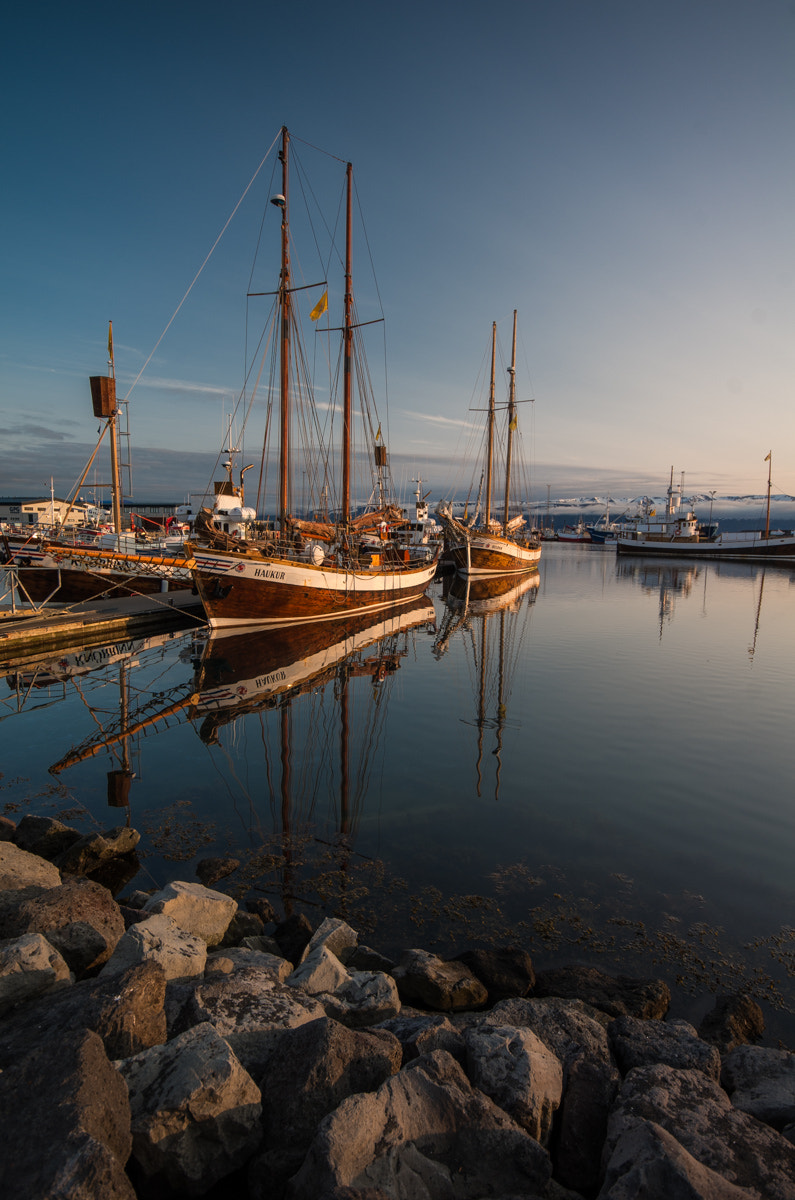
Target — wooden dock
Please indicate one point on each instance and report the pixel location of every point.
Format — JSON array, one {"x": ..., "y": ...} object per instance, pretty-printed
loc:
[{"x": 27, "y": 631}]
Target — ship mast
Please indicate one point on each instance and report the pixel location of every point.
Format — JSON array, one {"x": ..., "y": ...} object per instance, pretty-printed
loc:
[
  {"x": 490, "y": 447},
  {"x": 769, "y": 482},
  {"x": 285, "y": 305},
  {"x": 115, "y": 476},
  {"x": 347, "y": 352},
  {"x": 511, "y": 425}
]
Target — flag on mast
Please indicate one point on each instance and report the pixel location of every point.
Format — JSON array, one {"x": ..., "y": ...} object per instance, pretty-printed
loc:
[{"x": 320, "y": 307}]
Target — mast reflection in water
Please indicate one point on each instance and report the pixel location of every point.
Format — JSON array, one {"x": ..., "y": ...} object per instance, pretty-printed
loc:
[
  {"x": 320, "y": 692},
  {"x": 490, "y": 615}
]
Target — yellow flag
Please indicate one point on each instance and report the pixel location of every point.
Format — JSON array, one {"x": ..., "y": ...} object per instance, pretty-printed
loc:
[
  {"x": 767, "y": 456},
  {"x": 320, "y": 307},
  {"x": 110, "y": 340},
  {"x": 513, "y": 424}
]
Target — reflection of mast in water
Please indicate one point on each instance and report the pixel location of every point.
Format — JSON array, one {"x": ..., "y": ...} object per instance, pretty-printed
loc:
[
  {"x": 297, "y": 670},
  {"x": 469, "y": 601},
  {"x": 117, "y": 734},
  {"x": 752, "y": 647}
]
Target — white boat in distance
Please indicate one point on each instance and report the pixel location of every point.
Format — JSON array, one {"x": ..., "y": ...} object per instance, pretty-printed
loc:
[{"x": 677, "y": 533}]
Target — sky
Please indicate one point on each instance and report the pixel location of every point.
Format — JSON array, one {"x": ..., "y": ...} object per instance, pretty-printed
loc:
[{"x": 620, "y": 172}]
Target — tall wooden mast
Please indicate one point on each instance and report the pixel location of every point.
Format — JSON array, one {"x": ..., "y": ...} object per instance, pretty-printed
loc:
[
  {"x": 115, "y": 474},
  {"x": 769, "y": 483},
  {"x": 511, "y": 426},
  {"x": 347, "y": 378},
  {"x": 490, "y": 446},
  {"x": 285, "y": 303}
]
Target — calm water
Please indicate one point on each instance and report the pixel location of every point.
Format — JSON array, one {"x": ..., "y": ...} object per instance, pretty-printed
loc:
[{"x": 600, "y": 769}]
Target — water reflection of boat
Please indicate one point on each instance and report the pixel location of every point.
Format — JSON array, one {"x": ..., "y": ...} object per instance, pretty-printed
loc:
[
  {"x": 668, "y": 580},
  {"x": 490, "y": 616},
  {"x": 302, "y": 691},
  {"x": 242, "y": 672}
]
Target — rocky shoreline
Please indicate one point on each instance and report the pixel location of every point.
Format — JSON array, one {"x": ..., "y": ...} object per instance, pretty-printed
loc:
[{"x": 173, "y": 1044}]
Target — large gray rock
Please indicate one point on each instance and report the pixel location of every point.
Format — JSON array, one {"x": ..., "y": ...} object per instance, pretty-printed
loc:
[
  {"x": 29, "y": 966},
  {"x": 319, "y": 971},
  {"x": 311, "y": 1071},
  {"x": 638, "y": 1043},
  {"x": 20, "y": 869},
  {"x": 364, "y": 998},
  {"x": 249, "y": 1007},
  {"x": 647, "y": 1161},
  {"x": 66, "y": 1122},
  {"x": 336, "y": 935},
  {"x": 576, "y": 1033},
  {"x": 430, "y": 982},
  {"x": 519, "y": 1073},
  {"x": 179, "y": 954},
  {"x": 94, "y": 851},
  {"x": 571, "y": 1028},
  {"x": 126, "y": 1011},
  {"x": 696, "y": 1112},
  {"x": 425, "y": 1133},
  {"x": 617, "y": 995},
  {"x": 80, "y": 918},
  {"x": 196, "y": 909},
  {"x": 761, "y": 1081},
  {"x": 195, "y": 1111}
]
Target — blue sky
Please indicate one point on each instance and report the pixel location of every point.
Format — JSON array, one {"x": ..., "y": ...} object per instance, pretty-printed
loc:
[{"x": 621, "y": 172}]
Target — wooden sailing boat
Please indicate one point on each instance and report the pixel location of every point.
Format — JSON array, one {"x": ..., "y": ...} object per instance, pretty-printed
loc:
[
  {"x": 493, "y": 547},
  {"x": 308, "y": 570}
]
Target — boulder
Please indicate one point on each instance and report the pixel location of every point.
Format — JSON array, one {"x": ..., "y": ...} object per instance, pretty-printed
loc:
[
  {"x": 19, "y": 870},
  {"x": 95, "y": 851},
  {"x": 761, "y": 1081},
  {"x": 734, "y": 1021},
  {"x": 312, "y": 1070},
  {"x": 336, "y": 935},
  {"x": 126, "y": 1011},
  {"x": 617, "y": 995},
  {"x": 506, "y": 972},
  {"x": 638, "y": 1043},
  {"x": 195, "y": 1111},
  {"x": 80, "y": 918},
  {"x": 197, "y": 910},
  {"x": 44, "y": 836},
  {"x": 425, "y": 1132},
  {"x": 647, "y": 1161},
  {"x": 577, "y": 1034},
  {"x": 364, "y": 998},
  {"x": 698, "y": 1114},
  {"x": 29, "y": 966},
  {"x": 427, "y": 980},
  {"x": 66, "y": 1121},
  {"x": 248, "y": 1007},
  {"x": 243, "y": 925},
  {"x": 159, "y": 939},
  {"x": 419, "y": 1033},
  {"x": 519, "y": 1073}
]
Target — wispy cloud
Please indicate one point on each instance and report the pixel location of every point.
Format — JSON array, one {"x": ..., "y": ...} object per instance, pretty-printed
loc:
[{"x": 435, "y": 419}]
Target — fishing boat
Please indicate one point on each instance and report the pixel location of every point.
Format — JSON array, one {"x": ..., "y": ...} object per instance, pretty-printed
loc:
[
  {"x": 306, "y": 569},
  {"x": 574, "y": 533},
  {"x": 493, "y": 546},
  {"x": 678, "y": 532}
]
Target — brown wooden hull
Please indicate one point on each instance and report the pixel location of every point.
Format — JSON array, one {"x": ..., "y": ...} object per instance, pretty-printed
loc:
[
  {"x": 492, "y": 555},
  {"x": 252, "y": 589}
]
